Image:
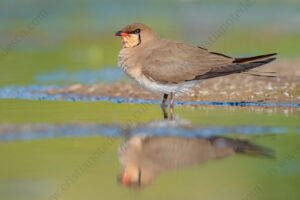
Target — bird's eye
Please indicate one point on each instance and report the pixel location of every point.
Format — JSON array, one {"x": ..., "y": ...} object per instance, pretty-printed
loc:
[{"x": 137, "y": 31}]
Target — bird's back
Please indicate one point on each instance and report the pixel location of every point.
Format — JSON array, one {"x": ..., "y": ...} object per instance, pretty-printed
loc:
[{"x": 174, "y": 62}]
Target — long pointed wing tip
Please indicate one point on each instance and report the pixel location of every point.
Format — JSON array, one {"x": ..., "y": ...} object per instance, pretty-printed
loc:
[{"x": 273, "y": 54}]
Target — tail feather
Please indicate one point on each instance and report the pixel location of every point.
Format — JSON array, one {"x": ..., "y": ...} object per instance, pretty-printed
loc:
[
  {"x": 260, "y": 75},
  {"x": 254, "y": 71}
]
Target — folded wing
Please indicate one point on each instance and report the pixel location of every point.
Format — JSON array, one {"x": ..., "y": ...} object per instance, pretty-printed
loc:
[{"x": 173, "y": 62}]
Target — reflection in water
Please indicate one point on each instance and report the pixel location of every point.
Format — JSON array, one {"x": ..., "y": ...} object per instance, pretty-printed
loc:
[{"x": 144, "y": 157}]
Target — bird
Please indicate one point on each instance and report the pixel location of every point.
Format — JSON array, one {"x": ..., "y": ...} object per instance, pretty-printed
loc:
[
  {"x": 172, "y": 68},
  {"x": 144, "y": 158}
]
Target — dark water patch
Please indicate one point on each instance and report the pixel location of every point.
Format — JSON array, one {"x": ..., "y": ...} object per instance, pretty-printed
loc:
[
  {"x": 160, "y": 128},
  {"x": 39, "y": 92}
]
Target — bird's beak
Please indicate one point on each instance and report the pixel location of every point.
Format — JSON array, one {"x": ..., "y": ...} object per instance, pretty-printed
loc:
[
  {"x": 125, "y": 179},
  {"x": 120, "y": 33}
]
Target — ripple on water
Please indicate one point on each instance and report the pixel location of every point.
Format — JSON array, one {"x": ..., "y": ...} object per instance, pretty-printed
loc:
[{"x": 159, "y": 128}]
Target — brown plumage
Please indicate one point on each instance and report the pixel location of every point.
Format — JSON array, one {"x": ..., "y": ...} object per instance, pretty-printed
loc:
[
  {"x": 170, "y": 67},
  {"x": 144, "y": 158}
]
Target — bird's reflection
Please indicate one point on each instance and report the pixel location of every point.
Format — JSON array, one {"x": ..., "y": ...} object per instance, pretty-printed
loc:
[{"x": 144, "y": 157}]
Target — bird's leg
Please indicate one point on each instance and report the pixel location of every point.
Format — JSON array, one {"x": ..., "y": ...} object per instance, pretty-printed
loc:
[
  {"x": 163, "y": 106},
  {"x": 171, "y": 106}
]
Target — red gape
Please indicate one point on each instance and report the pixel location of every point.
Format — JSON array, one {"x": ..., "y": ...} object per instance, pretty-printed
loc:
[
  {"x": 125, "y": 179},
  {"x": 125, "y": 34}
]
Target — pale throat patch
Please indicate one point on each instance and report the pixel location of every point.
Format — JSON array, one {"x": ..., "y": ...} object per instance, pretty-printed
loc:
[{"x": 130, "y": 41}]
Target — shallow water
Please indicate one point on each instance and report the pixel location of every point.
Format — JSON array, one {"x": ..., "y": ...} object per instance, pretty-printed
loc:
[
  {"x": 61, "y": 150},
  {"x": 41, "y": 92}
]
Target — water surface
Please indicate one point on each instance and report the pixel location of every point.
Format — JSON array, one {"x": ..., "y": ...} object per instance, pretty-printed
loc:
[{"x": 74, "y": 160}]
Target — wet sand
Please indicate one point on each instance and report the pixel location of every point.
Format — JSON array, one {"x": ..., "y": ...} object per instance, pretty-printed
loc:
[{"x": 234, "y": 88}]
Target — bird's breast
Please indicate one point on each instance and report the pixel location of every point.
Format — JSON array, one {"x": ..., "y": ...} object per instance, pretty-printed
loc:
[{"x": 129, "y": 64}]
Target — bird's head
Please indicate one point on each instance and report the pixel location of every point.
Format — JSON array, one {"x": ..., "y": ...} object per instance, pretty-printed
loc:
[
  {"x": 136, "y": 177},
  {"x": 136, "y": 34}
]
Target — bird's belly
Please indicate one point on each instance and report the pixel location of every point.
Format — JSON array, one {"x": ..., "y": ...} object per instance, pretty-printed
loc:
[
  {"x": 152, "y": 86},
  {"x": 157, "y": 88}
]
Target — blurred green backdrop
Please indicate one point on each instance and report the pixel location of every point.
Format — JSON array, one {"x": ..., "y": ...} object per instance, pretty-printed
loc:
[{"x": 42, "y": 36}]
